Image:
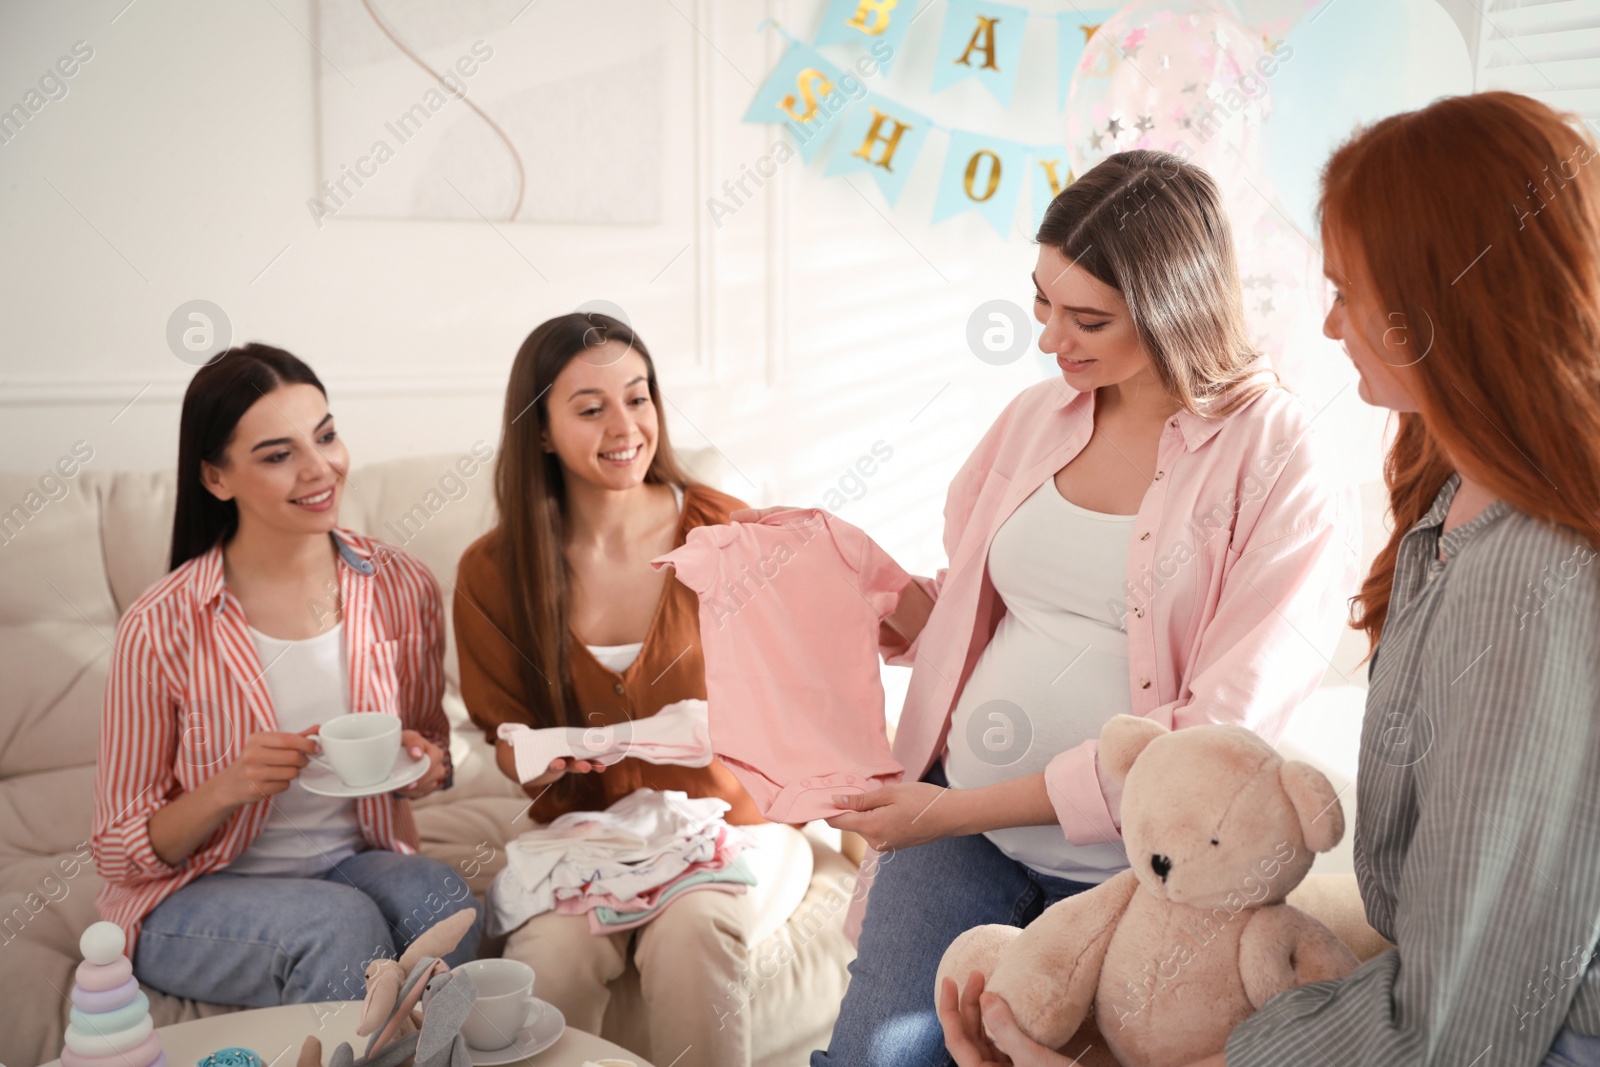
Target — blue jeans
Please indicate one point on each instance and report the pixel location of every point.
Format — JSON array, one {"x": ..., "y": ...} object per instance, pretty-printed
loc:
[
  {"x": 922, "y": 898},
  {"x": 1572, "y": 1049},
  {"x": 261, "y": 940}
]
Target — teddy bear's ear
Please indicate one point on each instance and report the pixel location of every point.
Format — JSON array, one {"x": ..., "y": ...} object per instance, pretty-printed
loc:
[
  {"x": 1315, "y": 802},
  {"x": 1121, "y": 741}
]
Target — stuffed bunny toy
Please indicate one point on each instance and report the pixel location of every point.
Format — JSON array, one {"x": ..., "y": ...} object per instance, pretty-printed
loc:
[
  {"x": 1171, "y": 954},
  {"x": 414, "y": 1007}
]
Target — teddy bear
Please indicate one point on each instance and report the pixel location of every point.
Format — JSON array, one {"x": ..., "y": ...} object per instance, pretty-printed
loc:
[{"x": 1195, "y": 936}]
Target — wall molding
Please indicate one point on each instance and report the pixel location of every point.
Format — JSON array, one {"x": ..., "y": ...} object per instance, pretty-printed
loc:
[{"x": 66, "y": 392}]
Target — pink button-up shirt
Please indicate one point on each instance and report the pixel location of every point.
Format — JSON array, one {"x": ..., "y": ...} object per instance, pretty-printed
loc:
[{"x": 1245, "y": 551}]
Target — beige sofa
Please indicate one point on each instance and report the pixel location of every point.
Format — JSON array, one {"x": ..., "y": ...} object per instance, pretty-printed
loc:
[{"x": 70, "y": 566}]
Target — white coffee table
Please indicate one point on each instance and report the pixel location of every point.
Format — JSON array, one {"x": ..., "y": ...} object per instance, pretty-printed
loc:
[{"x": 276, "y": 1034}]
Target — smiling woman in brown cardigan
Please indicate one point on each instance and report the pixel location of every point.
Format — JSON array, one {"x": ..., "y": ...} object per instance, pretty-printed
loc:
[
  {"x": 670, "y": 667},
  {"x": 561, "y": 621}
]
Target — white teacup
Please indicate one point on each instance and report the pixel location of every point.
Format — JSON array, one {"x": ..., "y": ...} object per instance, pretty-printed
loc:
[
  {"x": 360, "y": 748},
  {"x": 504, "y": 1005}
]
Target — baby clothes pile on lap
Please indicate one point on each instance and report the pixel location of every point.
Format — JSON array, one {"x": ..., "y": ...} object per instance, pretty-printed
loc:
[
  {"x": 790, "y": 609},
  {"x": 620, "y": 866},
  {"x": 676, "y": 734},
  {"x": 728, "y": 872}
]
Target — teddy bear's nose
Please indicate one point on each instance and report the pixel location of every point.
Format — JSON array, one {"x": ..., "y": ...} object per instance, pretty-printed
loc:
[{"x": 1161, "y": 865}]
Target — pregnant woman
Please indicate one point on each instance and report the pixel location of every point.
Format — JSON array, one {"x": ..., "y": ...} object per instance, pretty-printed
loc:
[
  {"x": 1469, "y": 302},
  {"x": 1156, "y": 532},
  {"x": 561, "y": 620},
  {"x": 234, "y": 883}
]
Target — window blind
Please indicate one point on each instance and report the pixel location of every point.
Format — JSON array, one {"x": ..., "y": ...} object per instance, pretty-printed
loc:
[{"x": 1546, "y": 49}]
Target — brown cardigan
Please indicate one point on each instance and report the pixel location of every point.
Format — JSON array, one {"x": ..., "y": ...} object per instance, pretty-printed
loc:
[{"x": 670, "y": 667}]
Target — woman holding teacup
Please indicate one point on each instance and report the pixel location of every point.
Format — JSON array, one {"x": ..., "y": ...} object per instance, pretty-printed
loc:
[{"x": 235, "y": 879}]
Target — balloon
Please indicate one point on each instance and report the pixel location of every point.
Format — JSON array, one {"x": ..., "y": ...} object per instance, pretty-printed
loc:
[
  {"x": 1352, "y": 62},
  {"x": 1188, "y": 78},
  {"x": 1176, "y": 76}
]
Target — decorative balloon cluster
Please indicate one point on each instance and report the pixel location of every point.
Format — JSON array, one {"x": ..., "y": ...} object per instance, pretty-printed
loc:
[{"x": 1261, "y": 109}]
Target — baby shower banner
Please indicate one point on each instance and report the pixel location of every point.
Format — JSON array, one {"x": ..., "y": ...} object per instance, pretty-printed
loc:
[
  {"x": 823, "y": 105},
  {"x": 1246, "y": 100}
]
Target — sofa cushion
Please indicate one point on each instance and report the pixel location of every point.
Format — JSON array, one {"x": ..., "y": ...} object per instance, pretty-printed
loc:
[
  {"x": 135, "y": 531},
  {"x": 58, "y": 621},
  {"x": 431, "y": 509}
]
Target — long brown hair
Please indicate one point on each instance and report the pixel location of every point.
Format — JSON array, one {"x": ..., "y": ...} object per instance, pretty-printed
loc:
[
  {"x": 530, "y": 492},
  {"x": 218, "y": 396},
  {"x": 1476, "y": 222},
  {"x": 1153, "y": 226}
]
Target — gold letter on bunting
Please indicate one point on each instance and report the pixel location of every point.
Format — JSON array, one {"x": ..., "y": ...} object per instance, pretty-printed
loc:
[
  {"x": 1047, "y": 185},
  {"x": 877, "y": 11},
  {"x": 889, "y": 143},
  {"x": 972, "y": 174},
  {"x": 985, "y": 31},
  {"x": 811, "y": 83},
  {"x": 1049, "y": 166}
]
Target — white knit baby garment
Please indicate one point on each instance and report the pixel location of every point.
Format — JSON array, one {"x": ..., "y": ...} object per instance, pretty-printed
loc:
[{"x": 679, "y": 733}]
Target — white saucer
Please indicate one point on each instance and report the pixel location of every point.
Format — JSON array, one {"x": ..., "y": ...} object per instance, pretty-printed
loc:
[
  {"x": 325, "y": 783},
  {"x": 546, "y": 1029}
]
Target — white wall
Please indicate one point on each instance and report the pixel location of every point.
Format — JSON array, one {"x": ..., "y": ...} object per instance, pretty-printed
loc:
[
  {"x": 815, "y": 322},
  {"x": 179, "y": 164}
]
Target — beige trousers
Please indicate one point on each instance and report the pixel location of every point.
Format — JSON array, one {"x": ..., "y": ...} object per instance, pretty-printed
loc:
[{"x": 688, "y": 956}]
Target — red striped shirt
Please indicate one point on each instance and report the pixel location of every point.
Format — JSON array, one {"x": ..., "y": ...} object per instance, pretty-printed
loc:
[{"x": 186, "y": 689}]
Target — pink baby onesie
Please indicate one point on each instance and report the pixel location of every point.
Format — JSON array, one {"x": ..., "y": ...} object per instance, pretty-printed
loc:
[
  {"x": 678, "y": 733},
  {"x": 789, "y": 615}
]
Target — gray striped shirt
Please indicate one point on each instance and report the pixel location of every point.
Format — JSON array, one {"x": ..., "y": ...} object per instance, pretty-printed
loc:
[{"x": 1477, "y": 841}]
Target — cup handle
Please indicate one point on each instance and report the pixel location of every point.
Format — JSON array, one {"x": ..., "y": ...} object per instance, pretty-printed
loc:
[{"x": 321, "y": 761}]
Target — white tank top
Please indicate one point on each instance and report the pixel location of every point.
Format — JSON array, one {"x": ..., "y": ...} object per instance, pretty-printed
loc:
[
  {"x": 619, "y": 658},
  {"x": 1055, "y": 671},
  {"x": 305, "y": 834}
]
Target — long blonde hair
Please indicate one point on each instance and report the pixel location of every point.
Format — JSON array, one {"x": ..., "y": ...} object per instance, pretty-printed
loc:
[{"x": 1153, "y": 226}]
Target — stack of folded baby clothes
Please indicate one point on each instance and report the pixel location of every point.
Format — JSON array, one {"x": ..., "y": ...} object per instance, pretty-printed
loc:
[
  {"x": 620, "y": 866},
  {"x": 608, "y": 914}
]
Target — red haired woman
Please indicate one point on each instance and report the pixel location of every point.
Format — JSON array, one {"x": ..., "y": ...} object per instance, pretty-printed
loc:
[{"x": 1464, "y": 244}]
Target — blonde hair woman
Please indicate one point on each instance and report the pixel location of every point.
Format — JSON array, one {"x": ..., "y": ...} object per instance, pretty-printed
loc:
[{"x": 1154, "y": 532}]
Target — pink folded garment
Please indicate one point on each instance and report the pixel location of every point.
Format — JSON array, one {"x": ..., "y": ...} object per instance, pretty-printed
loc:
[
  {"x": 676, "y": 734},
  {"x": 789, "y": 613}
]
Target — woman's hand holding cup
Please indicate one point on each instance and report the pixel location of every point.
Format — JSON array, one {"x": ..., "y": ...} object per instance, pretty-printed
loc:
[
  {"x": 417, "y": 746},
  {"x": 267, "y": 763}
]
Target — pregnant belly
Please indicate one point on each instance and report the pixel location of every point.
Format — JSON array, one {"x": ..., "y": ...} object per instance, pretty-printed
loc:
[{"x": 1033, "y": 695}]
